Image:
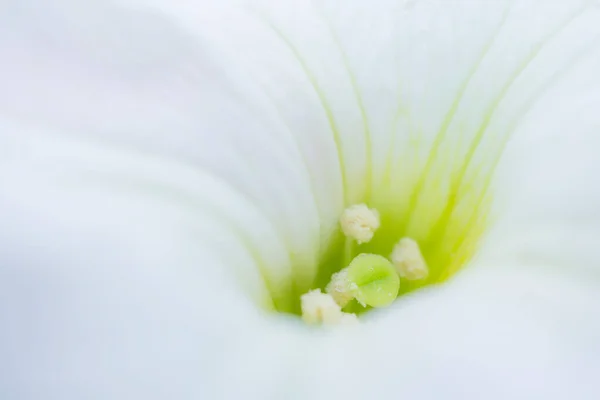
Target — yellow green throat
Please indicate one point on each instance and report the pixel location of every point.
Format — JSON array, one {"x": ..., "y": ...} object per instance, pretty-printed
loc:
[
  {"x": 442, "y": 212},
  {"x": 446, "y": 244},
  {"x": 438, "y": 202}
]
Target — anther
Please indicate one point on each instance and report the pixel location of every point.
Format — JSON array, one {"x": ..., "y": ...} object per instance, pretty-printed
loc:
[
  {"x": 320, "y": 308},
  {"x": 408, "y": 260},
  {"x": 359, "y": 222},
  {"x": 340, "y": 288}
]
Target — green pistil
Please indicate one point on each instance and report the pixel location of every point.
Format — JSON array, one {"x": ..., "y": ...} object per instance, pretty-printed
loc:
[{"x": 373, "y": 281}]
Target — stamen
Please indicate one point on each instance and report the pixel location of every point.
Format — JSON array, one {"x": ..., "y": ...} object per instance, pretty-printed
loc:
[
  {"x": 360, "y": 222},
  {"x": 408, "y": 260},
  {"x": 340, "y": 288},
  {"x": 320, "y": 308}
]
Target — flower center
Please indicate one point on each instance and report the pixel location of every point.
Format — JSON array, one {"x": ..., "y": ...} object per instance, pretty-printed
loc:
[
  {"x": 371, "y": 280},
  {"x": 374, "y": 280},
  {"x": 399, "y": 243}
]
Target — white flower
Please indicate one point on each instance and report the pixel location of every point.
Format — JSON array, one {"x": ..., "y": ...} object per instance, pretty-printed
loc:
[{"x": 169, "y": 170}]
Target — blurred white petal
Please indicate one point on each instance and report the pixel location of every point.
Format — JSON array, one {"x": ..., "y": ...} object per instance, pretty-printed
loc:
[{"x": 132, "y": 80}]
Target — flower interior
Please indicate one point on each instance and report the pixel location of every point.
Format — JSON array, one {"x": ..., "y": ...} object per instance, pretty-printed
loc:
[{"x": 435, "y": 215}]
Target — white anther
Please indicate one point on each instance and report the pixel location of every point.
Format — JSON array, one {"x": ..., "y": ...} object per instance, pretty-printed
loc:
[
  {"x": 359, "y": 222},
  {"x": 408, "y": 260},
  {"x": 340, "y": 289},
  {"x": 319, "y": 308}
]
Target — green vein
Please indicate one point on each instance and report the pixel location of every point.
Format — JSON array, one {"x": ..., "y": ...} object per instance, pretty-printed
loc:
[
  {"x": 441, "y": 225},
  {"x": 415, "y": 196},
  {"x": 363, "y": 113},
  {"x": 336, "y": 135},
  {"x": 528, "y": 105}
]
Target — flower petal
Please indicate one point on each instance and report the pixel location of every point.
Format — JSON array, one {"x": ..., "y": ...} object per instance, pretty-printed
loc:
[
  {"x": 119, "y": 268},
  {"x": 494, "y": 333},
  {"x": 550, "y": 194},
  {"x": 144, "y": 84},
  {"x": 423, "y": 97}
]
